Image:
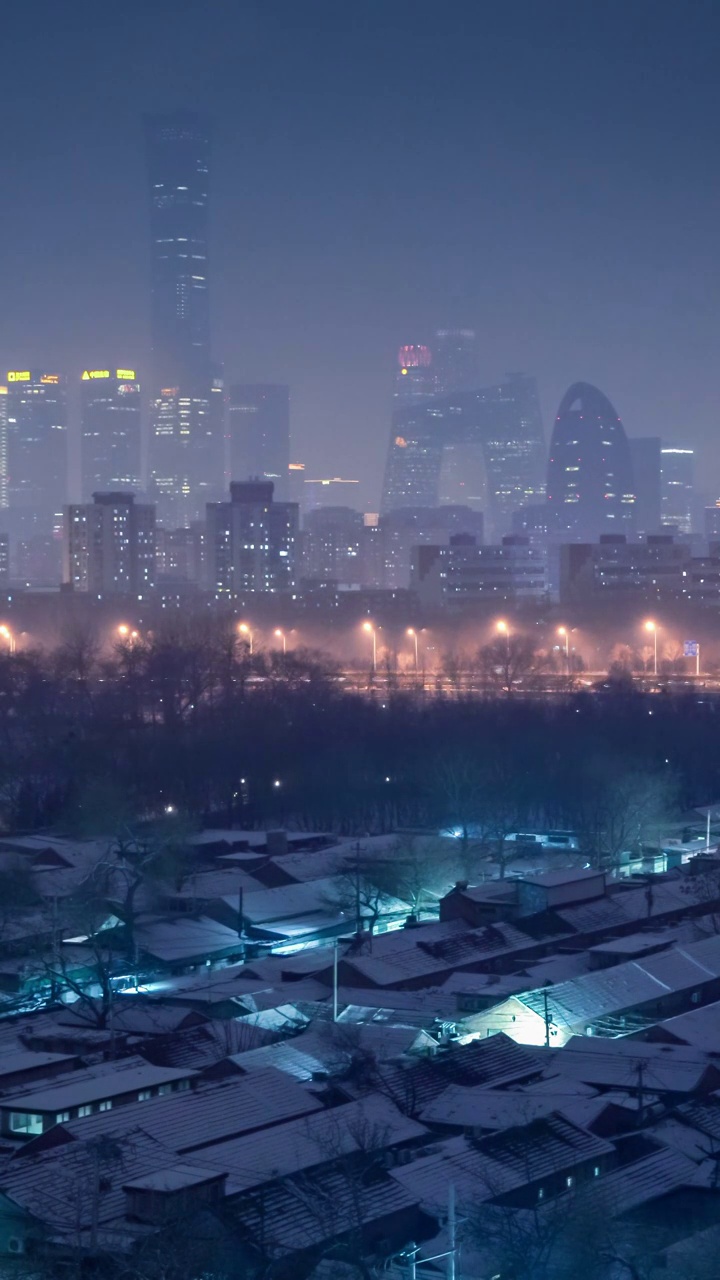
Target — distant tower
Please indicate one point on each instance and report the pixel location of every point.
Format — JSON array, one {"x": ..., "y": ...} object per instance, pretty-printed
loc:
[
  {"x": 590, "y": 486},
  {"x": 110, "y": 410},
  {"x": 415, "y": 376},
  {"x": 646, "y": 463},
  {"x": 36, "y": 445},
  {"x": 456, "y": 359},
  {"x": 259, "y": 430},
  {"x": 678, "y": 487},
  {"x": 185, "y": 428}
]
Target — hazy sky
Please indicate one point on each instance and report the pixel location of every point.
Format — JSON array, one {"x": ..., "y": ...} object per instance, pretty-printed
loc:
[{"x": 542, "y": 170}]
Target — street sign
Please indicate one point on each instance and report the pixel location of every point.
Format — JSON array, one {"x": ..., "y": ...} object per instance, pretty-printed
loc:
[{"x": 691, "y": 648}]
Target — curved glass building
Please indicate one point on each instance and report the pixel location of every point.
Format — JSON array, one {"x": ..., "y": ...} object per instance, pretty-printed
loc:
[{"x": 590, "y": 484}]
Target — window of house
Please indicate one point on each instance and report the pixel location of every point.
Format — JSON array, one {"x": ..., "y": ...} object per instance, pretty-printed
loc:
[
  {"x": 25, "y": 1122},
  {"x": 61, "y": 1116},
  {"x": 144, "y": 1094},
  {"x": 85, "y": 1109},
  {"x": 163, "y": 1089},
  {"x": 106, "y": 1105},
  {"x": 569, "y": 1181},
  {"x": 541, "y": 1193}
]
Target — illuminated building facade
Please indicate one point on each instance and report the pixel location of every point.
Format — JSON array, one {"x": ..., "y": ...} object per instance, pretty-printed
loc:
[
  {"x": 36, "y": 445},
  {"x": 187, "y": 397},
  {"x": 109, "y": 545},
  {"x": 590, "y": 484},
  {"x": 252, "y": 541},
  {"x": 110, "y": 423},
  {"x": 3, "y": 447},
  {"x": 677, "y": 481},
  {"x": 259, "y": 431},
  {"x": 504, "y": 421}
]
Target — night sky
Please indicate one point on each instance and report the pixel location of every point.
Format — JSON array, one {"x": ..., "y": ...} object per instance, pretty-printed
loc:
[{"x": 543, "y": 171}]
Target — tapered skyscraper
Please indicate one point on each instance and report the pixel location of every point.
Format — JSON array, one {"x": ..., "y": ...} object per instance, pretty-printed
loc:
[{"x": 185, "y": 425}]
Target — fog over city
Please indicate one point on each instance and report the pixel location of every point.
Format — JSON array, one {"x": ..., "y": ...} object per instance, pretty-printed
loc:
[{"x": 359, "y": 641}]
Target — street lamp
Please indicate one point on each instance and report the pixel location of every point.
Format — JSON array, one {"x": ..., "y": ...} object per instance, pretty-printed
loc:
[
  {"x": 563, "y": 631},
  {"x": 368, "y": 626},
  {"x": 244, "y": 630},
  {"x": 412, "y": 632},
  {"x": 7, "y": 634},
  {"x": 652, "y": 626},
  {"x": 504, "y": 630},
  {"x": 281, "y": 636},
  {"x": 123, "y": 630}
]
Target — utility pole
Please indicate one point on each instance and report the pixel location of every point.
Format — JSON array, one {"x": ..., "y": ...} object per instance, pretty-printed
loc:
[
  {"x": 641, "y": 1094},
  {"x": 547, "y": 1018},
  {"x": 451, "y": 1232},
  {"x": 335, "y": 980}
]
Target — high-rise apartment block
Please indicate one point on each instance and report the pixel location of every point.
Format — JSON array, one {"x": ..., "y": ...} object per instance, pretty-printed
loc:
[
  {"x": 110, "y": 545},
  {"x": 110, "y": 423},
  {"x": 251, "y": 541},
  {"x": 186, "y": 440},
  {"x": 259, "y": 431}
]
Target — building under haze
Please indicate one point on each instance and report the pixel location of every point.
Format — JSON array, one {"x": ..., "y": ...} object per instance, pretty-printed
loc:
[
  {"x": 504, "y": 421},
  {"x": 110, "y": 424},
  {"x": 110, "y": 545},
  {"x": 678, "y": 487},
  {"x": 645, "y": 456},
  {"x": 259, "y": 431},
  {"x": 590, "y": 486},
  {"x": 36, "y": 443},
  {"x": 252, "y": 542},
  {"x": 455, "y": 360},
  {"x": 186, "y": 400},
  {"x": 3, "y": 447},
  {"x": 462, "y": 573}
]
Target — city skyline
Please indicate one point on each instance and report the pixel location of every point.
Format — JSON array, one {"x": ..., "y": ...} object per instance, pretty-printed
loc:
[{"x": 601, "y": 275}]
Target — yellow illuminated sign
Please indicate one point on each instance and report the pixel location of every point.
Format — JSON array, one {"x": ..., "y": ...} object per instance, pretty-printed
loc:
[
  {"x": 51, "y": 378},
  {"x": 3, "y": 391},
  {"x": 19, "y": 377},
  {"x": 95, "y": 373},
  {"x": 125, "y": 374}
]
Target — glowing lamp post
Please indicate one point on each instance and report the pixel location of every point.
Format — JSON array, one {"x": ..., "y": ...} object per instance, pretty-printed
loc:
[
  {"x": 564, "y": 634},
  {"x": 413, "y": 633},
  {"x": 281, "y": 636},
  {"x": 368, "y": 626},
  {"x": 7, "y": 634},
  {"x": 245, "y": 630},
  {"x": 652, "y": 627}
]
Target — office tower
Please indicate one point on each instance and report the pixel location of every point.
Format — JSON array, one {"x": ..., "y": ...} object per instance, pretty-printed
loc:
[
  {"x": 455, "y": 360},
  {"x": 36, "y": 445},
  {"x": 259, "y": 430},
  {"x": 415, "y": 376},
  {"x": 296, "y": 483},
  {"x": 186, "y": 442},
  {"x": 678, "y": 487},
  {"x": 505, "y": 421},
  {"x": 645, "y": 457},
  {"x": 251, "y": 541},
  {"x": 3, "y": 447},
  {"x": 110, "y": 423},
  {"x": 590, "y": 488},
  {"x": 110, "y": 545}
]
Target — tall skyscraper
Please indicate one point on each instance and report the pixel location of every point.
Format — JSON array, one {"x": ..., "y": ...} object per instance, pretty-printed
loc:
[
  {"x": 590, "y": 486},
  {"x": 455, "y": 360},
  {"x": 415, "y": 375},
  {"x": 678, "y": 487},
  {"x": 185, "y": 428},
  {"x": 3, "y": 447},
  {"x": 110, "y": 545},
  {"x": 505, "y": 421},
  {"x": 110, "y": 413},
  {"x": 36, "y": 445},
  {"x": 259, "y": 430},
  {"x": 645, "y": 456},
  {"x": 252, "y": 541}
]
